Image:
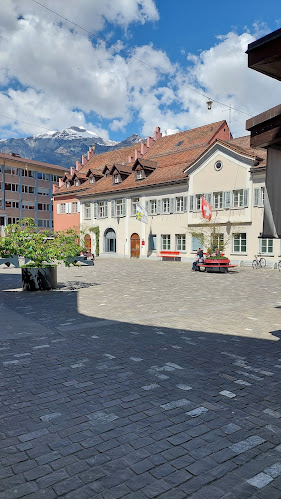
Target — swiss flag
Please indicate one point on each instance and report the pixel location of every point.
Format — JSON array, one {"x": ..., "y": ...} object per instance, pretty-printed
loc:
[{"x": 206, "y": 209}]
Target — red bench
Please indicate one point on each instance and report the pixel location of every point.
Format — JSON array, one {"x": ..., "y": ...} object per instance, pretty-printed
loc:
[
  {"x": 215, "y": 265},
  {"x": 169, "y": 254}
]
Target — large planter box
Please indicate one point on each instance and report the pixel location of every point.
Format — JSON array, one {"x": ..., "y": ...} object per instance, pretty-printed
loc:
[{"x": 35, "y": 279}]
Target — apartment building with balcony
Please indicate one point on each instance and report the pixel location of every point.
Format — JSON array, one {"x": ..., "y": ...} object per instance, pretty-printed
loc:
[{"x": 26, "y": 190}]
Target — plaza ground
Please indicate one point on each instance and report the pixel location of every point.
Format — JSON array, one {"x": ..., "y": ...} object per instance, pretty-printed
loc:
[{"x": 141, "y": 379}]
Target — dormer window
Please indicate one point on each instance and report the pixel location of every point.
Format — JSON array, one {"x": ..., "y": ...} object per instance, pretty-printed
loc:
[
  {"x": 67, "y": 184},
  {"x": 92, "y": 180},
  {"x": 139, "y": 174},
  {"x": 116, "y": 179},
  {"x": 77, "y": 182}
]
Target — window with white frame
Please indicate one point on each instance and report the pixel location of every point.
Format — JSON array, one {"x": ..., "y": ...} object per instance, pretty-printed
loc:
[
  {"x": 266, "y": 246},
  {"x": 217, "y": 200},
  {"x": 179, "y": 204},
  {"x": 11, "y": 204},
  {"x": 134, "y": 206},
  {"x": 27, "y": 189},
  {"x": 43, "y": 223},
  {"x": 92, "y": 180},
  {"x": 62, "y": 208},
  {"x": 153, "y": 206},
  {"x": 116, "y": 179},
  {"x": 42, "y": 176},
  {"x": 87, "y": 211},
  {"x": 240, "y": 243},
  {"x": 139, "y": 174},
  {"x": 12, "y": 187},
  {"x": 198, "y": 201},
  {"x": 101, "y": 209},
  {"x": 180, "y": 242},
  {"x": 165, "y": 242},
  {"x": 166, "y": 205},
  {"x": 259, "y": 196},
  {"x": 238, "y": 198},
  {"x": 43, "y": 206},
  {"x": 119, "y": 207},
  {"x": 75, "y": 207}
]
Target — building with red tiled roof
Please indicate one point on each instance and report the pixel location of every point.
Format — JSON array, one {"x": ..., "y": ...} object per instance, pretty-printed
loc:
[
  {"x": 168, "y": 176},
  {"x": 26, "y": 190}
]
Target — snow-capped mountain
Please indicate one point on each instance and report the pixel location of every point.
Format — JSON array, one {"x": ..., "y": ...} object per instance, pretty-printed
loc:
[{"x": 62, "y": 147}]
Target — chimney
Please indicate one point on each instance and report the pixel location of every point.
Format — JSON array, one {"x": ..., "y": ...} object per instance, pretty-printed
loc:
[
  {"x": 84, "y": 160},
  {"x": 61, "y": 182},
  {"x": 78, "y": 165},
  {"x": 143, "y": 148},
  {"x": 157, "y": 134},
  {"x": 149, "y": 141},
  {"x": 137, "y": 154},
  {"x": 91, "y": 153},
  {"x": 130, "y": 159},
  {"x": 72, "y": 170}
]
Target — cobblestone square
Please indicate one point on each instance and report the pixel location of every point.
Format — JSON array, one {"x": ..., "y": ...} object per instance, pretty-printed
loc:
[{"x": 141, "y": 379}]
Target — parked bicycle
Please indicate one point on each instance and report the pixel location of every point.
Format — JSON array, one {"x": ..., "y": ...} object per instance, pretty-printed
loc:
[{"x": 259, "y": 262}]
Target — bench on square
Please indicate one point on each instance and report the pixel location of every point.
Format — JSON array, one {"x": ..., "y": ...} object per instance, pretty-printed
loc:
[
  {"x": 215, "y": 265},
  {"x": 169, "y": 254}
]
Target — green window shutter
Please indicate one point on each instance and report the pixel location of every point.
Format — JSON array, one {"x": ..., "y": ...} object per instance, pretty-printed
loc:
[
  {"x": 185, "y": 203},
  {"x": 113, "y": 208},
  {"x": 227, "y": 199},
  {"x": 106, "y": 209},
  {"x": 172, "y": 205},
  {"x": 245, "y": 197},
  {"x": 159, "y": 201},
  {"x": 191, "y": 203},
  {"x": 124, "y": 207}
]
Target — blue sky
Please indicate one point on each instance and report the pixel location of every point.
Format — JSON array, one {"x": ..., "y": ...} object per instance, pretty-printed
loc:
[{"x": 55, "y": 75}]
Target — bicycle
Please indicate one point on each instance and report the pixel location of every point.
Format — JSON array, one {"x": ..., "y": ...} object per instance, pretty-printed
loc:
[
  {"x": 259, "y": 262},
  {"x": 279, "y": 265}
]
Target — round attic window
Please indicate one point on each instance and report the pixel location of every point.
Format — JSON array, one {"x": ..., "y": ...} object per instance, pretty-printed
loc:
[{"x": 218, "y": 166}]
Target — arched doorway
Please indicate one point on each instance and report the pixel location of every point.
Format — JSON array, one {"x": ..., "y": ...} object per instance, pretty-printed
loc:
[
  {"x": 110, "y": 241},
  {"x": 87, "y": 243},
  {"x": 135, "y": 246}
]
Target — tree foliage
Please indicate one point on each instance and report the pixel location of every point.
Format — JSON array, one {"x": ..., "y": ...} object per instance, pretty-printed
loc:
[{"x": 39, "y": 246}]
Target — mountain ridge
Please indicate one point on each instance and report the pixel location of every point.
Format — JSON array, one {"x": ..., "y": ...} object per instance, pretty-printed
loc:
[{"x": 63, "y": 147}]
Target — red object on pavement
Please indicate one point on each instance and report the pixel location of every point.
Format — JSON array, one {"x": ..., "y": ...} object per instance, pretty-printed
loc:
[{"x": 206, "y": 209}]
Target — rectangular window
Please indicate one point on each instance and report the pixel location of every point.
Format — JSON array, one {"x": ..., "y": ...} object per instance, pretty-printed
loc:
[
  {"x": 196, "y": 243},
  {"x": 240, "y": 243},
  {"x": 101, "y": 209},
  {"x": 28, "y": 173},
  {"x": 87, "y": 211},
  {"x": 152, "y": 241},
  {"x": 134, "y": 206},
  {"x": 12, "y": 187},
  {"x": 43, "y": 223},
  {"x": 166, "y": 241},
  {"x": 116, "y": 179},
  {"x": 75, "y": 207},
  {"x": 27, "y": 189},
  {"x": 217, "y": 200},
  {"x": 12, "y": 220},
  {"x": 28, "y": 206},
  {"x": 218, "y": 241},
  {"x": 11, "y": 204},
  {"x": 166, "y": 205},
  {"x": 198, "y": 202},
  {"x": 266, "y": 245},
  {"x": 180, "y": 242},
  {"x": 238, "y": 198},
  {"x": 139, "y": 174},
  {"x": 11, "y": 170},
  {"x": 42, "y": 176},
  {"x": 153, "y": 206},
  {"x": 62, "y": 208},
  {"x": 43, "y": 206},
  {"x": 179, "y": 204},
  {"x": 119, "y": 208}
]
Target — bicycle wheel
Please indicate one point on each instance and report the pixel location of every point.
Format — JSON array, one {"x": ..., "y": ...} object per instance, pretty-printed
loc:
[
  {"x": 255, "y": 264},
  {"x": 262, "y": 262},
  {"x": 279, "y": 265}
]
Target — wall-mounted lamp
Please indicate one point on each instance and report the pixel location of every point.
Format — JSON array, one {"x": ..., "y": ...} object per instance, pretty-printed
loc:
[{"x": 209, "y": 104}]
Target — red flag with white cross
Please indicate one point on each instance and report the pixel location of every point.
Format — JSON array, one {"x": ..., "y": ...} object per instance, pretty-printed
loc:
[{"x": 206, "y": 209}]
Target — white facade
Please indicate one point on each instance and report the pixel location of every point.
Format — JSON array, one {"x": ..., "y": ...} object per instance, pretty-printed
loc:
[{"x": 223, "y": 176}]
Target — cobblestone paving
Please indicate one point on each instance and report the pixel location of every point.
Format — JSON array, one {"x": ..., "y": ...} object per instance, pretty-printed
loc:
[{"x": 141, "y": 379}]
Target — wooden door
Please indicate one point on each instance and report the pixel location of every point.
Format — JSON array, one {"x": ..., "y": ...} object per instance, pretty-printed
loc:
[
  {"x": 135, "y": 246},
  {"x": 87, "y": 243}
]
